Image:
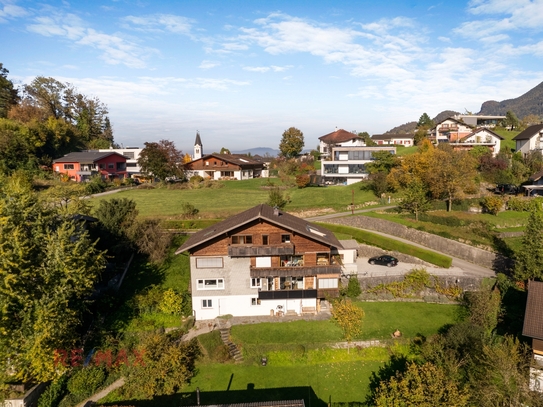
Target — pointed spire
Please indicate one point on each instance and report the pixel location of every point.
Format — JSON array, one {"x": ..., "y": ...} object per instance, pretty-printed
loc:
[{"x": 197, "y": 142}]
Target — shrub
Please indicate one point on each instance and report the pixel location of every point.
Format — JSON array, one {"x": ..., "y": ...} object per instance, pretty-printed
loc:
[
  {"x": 84, "y": 382},
  {"x": 54, "y": 392},
  {"x": 353, "y": 288},
  {"x": 95, "y": 185},
  {"x": 492, "y": 204},
  {"x": 276, "y": 198},
  {"x": 196, "y": 179},
  {"x": 188, "y": 210},
  {"x": 302, "y": 181},
  {"x": 417, "y": 279},
  {"x": 172, "y": 302},
  {"x": 519, "y": 205}
]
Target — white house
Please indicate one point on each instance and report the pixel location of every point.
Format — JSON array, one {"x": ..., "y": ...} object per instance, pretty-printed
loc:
[
  {"x": 449, "y": 130},
  {"x": 475, "y": 120},
  {"x": 264, "y": 261},
  {"x": 406, "y": 140},
  {"x": 338, "y": 138},
  {"x": 348, "y": 164},
  {"x": 479, "y": 137},
  {"x": 132, "y": 154},
  {"x": 530, "y": 139}
]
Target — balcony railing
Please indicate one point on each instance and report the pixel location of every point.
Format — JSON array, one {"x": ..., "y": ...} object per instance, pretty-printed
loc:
[
  {"x": 286, "y": 294},
  {"x": 248, "y": 251},
  {"x": 298, "y": 271}
]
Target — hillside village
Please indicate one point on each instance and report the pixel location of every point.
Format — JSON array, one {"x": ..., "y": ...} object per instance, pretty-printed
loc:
[{"x": 391, "y": 269}]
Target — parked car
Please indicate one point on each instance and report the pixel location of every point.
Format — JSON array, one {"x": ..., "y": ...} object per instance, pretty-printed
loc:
[
  {"x": 509, "y": 189},
  {"x": 384, "y": 260}
]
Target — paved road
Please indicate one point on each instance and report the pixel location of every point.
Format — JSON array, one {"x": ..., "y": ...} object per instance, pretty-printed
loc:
[{"x": 459, "y": 265}]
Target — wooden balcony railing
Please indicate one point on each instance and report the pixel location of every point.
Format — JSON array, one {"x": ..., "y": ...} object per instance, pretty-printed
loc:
[
  {"x": 248, "y": 251},
  {"x": 299, "y": 271}
]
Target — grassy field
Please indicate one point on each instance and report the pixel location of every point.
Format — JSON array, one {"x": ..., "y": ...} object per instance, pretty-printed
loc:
[
  {"x": 235, "y": 197},
  {"x": 508, "y": 136},
  {"x": 386, "y": 243}
]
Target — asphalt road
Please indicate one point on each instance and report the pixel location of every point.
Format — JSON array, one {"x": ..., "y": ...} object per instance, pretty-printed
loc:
[{"x": 459, "y": 266}]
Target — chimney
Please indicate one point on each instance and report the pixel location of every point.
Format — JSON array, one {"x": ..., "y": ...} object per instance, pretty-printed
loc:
[{"x": 275, "y": 211}]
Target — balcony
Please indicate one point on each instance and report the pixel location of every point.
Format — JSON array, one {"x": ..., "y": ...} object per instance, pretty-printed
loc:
[
  {"x": 286, "y": 294},
  {"x": 248, "y": 251},
  {"x": 297, "y": 271}
]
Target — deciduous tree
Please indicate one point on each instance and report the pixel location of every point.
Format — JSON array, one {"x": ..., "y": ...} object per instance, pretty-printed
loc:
[
  {"x": 415, "y": 198},
  {"x": 292, "y": 143},
  {"x": 529, "y": 256},
  {"x": 349, "y": 318},
  {"x": 8, "y": 93},
  {"x": 161, "y": 160}
]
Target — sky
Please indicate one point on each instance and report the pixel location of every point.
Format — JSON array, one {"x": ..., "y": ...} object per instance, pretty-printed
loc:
[{"x": 242, "y": 72}]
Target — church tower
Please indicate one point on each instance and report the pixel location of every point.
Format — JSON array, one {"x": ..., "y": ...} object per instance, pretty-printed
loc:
[{"x": 198, "y": 147}]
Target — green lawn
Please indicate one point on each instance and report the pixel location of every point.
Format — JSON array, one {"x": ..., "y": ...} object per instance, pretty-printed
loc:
[
  {"x": 508, "y": 135},
  {"x": 386, "y": 243},
  {"x": 406, "y": 151},
  {"x": 235, "y": 197}
]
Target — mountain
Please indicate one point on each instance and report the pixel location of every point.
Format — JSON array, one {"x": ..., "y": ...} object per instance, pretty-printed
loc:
[
  {"x": 258, "y": 151},
  {"x": 411, "y": 127},
  {"x": 529, "y": 103},
  {"x": 445, "y": 114}
]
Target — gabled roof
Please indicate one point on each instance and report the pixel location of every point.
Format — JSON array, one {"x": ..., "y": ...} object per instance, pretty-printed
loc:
[
  {"x": 238, "y": 159},
  {"x": 533, "y": 317},
  {"x": 198, "y": 142},
  {"x": 454, "y": 120},
  {"x": 266, "y": 213},
  {"x": 86, "y": 157},
  {"x": 391, "y": 136},
  {"x": 536, "y": 177},
  {"x": 482, "y": 130},
  {"x": 529, "y": 132},
  {"x": 338, "y": 136}
]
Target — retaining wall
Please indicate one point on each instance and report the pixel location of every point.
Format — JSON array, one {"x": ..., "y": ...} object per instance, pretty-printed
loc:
[{"x": 463, "y": 251}]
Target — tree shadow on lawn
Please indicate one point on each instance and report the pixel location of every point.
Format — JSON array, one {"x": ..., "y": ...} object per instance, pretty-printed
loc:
[
  {"x": 116, "y": 307},
  {"x": 250, "y": 395}
]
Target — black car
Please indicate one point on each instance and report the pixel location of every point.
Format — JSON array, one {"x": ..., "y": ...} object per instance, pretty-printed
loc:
[
  {"x": 384, "y": 260},
  {"x": 506, "y": 189}
]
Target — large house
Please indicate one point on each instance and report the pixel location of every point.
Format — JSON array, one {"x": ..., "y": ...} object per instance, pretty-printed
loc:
[
  {"x": 81, "y": 166},
  {"x": 475, "y": 120},
  {"x": 479, "y": 137},
  {"x": 533, "y": 328},
  {"x": 132, "y": 155},
  {"x": 530, "y": 139},
  {"x": 338, "y": 138},
  {"x": 225, "y": 166},
  {"x": 406, "y": 140},
  {"x": 348, "y": 164},
  {"x": 449, "y": 131},
  {"x": 263, "y": 261}
]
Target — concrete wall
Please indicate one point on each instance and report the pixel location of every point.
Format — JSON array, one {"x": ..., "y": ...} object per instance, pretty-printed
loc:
[{"x": 463, "y": 251}]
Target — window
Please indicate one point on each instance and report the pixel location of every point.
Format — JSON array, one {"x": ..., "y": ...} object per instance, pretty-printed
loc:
[
  {"x": 255, "y": 301},
  {"x": 129, "y": 155},
  {"x": 207, "y": 303},
  {"x": 132, "y": 165},
  {"x": 102, "y": 166},
  {"x": 263, "y": 262},
  {"x": 57, "y": 168},
  {"x": 265, "y": 240},
  {"x": 209, "y": 263},
  {"x": 211, "y": 284},
  {"x": 111, "y": 165},
  {"x": 328, "y": 283},
  {"x": 207, "y": 162},
  {"x": 68, "y": 166},
  {"x": 242, "y": 239},
  {"x": 285, "y": 238},
  {"x": 256, "y": 283}
]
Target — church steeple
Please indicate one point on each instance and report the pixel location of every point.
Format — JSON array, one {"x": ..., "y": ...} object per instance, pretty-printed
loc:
[{"x": 198, "y": 147}]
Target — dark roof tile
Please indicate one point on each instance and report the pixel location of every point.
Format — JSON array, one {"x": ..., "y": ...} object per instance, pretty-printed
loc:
[
  {"x": 529, "y": 132},
  {"x": 533, "y": 317},
  {"x": 338, "y": 136}
]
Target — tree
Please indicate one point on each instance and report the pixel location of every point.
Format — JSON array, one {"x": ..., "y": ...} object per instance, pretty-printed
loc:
[
  {"x": 425, "y": 121},
  {"x": 529, "y": 256},
  {"x": 349, "y": 318},
  {"x": 292, "y": 143},
  {"x": 382, "y": 161},
  {"x": 161, "y": 160},
  {"x": 424, "y": 385},
  {"x": 117, "y": 217},
  {"x": 415, "y": 199},
  {"x": 510, "y": 120},
  {"x": 225, "y": 151},
  {"x": 8, "y": 93},
  {"x": 277, "y": 198},
  {"x": 367, "y": 139},
  {"x": 48, "y": 268},
  {"x": 530, "y": 120}
]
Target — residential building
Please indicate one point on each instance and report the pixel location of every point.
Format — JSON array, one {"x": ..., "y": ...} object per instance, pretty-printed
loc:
[
  {"x": 449, "y": 131},
  {"x": 533, "y": 328},
  {"x": 530, "y": 139},
  {"x": 338, "y": 138},
  {"x": 225, "y": 166},
  {"x": 406, "y": 140},
  {"x": 479, "y": 137},
  {"x": 132, "y": 155},
  {"x": 263, "y": 261},
  {"x": 81, "y": 166},
  {"x": 348, "y": 164},
  {"x": 475, "y": 120}
]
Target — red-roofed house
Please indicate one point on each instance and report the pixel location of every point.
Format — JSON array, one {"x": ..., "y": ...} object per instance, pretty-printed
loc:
[
  {"x": 339, "y": 138},
  {"x": 225, "y": 166},
  {"x": 82, "y": 166}
]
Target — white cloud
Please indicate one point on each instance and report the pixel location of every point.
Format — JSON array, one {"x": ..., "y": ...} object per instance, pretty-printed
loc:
[
  {"x": 263, "y": 69},
  {"x": 11, "y": 11},
  {"x": 208, "y": 64},
  {"x": 115, "y": 49},
  {"x": 160, "y": 23}
]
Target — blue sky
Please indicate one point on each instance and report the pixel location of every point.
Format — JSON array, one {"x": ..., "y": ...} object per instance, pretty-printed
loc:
[{"x": 241, "y": 72}]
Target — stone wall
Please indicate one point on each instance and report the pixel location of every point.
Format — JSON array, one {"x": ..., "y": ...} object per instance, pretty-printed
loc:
[
  {"x": 463, "y": 251},
  {"x": 365, "y": 250}
]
